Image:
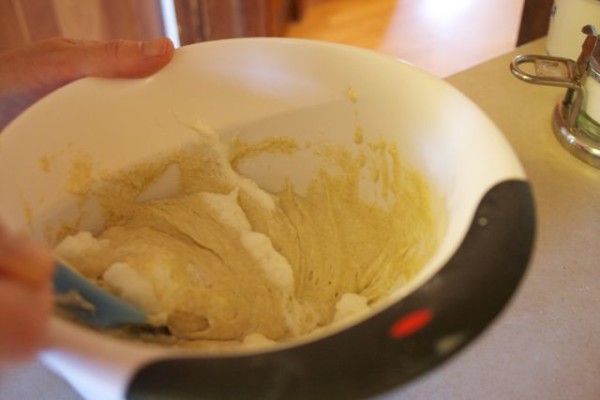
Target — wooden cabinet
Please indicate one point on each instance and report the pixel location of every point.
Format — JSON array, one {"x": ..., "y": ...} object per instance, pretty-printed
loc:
[
  {"x": 26, "y": 21},
  {"x": 201, "y": 20},
  {"x": 535, "y": 20}
]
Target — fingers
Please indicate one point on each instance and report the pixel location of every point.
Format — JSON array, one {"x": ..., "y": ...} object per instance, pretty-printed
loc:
[
  {"x": 25, "y": 296},
  {"x": 75, "y": 59},
  {"x": 54, "y": 62},
  {"x": 24, "y": 316},
  {"x": 24, "y": 262},
  {"x": 124, "y": 59}
]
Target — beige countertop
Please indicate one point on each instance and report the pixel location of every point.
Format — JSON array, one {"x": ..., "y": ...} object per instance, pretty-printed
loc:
[{"x": 546, "y": 344}]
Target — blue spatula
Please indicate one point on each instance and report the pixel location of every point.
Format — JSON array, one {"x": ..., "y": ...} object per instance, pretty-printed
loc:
[{"x": 93, "y": 304}]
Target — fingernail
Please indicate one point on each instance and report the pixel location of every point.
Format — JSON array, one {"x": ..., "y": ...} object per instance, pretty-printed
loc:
[{"x": 154, "y": 48}]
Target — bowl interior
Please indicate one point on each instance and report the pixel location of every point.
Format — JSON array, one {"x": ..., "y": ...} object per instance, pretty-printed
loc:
[{"x": 257, "y": 88}]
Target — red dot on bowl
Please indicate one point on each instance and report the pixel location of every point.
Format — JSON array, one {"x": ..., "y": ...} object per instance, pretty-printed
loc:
[{"x": 411, "y": 323}]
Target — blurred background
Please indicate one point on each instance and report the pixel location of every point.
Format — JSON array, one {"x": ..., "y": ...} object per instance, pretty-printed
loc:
[{"x": 440, "y": 36}]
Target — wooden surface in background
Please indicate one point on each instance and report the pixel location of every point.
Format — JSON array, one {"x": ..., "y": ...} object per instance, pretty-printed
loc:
[{"x": 440, "y": 36}]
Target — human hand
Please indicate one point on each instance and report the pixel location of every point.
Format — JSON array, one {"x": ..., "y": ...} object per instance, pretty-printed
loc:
[
  {"x": 29, "y": 73},
  {"x": 25, "y": 296}
]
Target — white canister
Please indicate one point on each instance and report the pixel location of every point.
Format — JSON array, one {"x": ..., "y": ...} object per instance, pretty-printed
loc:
[{"x": 567, "y": 19}]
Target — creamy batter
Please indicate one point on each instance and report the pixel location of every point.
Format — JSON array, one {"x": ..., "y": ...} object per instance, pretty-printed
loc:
[{"x": 218, "y": 259}]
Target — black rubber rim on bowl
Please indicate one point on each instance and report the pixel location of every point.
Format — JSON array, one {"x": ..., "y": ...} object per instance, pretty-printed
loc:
[{"x": 391, "y": 347}]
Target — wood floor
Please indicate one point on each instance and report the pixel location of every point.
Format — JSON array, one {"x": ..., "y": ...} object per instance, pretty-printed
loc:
[{"x": 440, "y": 36}]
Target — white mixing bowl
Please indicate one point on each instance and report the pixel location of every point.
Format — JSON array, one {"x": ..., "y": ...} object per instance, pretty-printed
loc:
[{"x": 264, "y": 87}]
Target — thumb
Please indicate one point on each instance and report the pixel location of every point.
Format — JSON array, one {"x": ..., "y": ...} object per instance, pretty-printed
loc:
[
  {"x": 66, "y": 60},
  {"x": 120, "y": 59}
]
